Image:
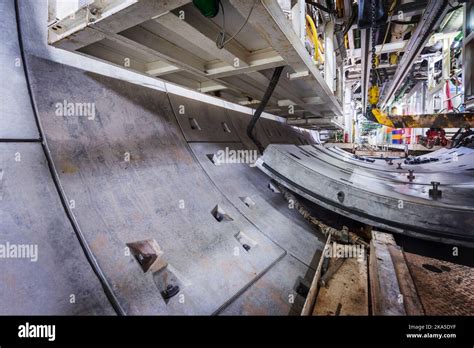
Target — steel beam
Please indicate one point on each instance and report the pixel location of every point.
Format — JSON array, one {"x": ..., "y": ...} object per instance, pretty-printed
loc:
[{"x": 430, "y": 20}]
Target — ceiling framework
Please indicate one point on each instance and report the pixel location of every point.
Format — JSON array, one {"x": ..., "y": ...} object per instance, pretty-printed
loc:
[
  {"x": 411, "y": 35},
  {"x": 430, "y": 20},
  {"x": 173, "y": 41}
]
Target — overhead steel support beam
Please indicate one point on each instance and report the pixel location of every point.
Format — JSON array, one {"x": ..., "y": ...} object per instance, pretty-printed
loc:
[
  {"x": 380, "y": 49},
  {"x": 430, "y": 20},
  {"x": 410, "y": 8},
  {"x": 98, "y": 15},
  {"x": 186, "y": 32},
  {"x": 309, "y": 122},
  {"x": 452, "y": 120}
]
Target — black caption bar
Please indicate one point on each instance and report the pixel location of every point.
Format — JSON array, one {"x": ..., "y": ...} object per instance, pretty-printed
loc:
[{"x": 244, "y": 330}]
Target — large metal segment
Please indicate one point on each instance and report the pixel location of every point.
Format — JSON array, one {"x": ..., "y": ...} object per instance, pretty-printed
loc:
[
  {"x": 133, "y": 178},
  {"x": 436, "y": 165},
  {"x": 51, "y": 276},
  {"x": 248, "y": 191},
  {"x": 44, "y": 270},
  {"x": 400, "y": 201},
  {"x": 16, "y": 116}
]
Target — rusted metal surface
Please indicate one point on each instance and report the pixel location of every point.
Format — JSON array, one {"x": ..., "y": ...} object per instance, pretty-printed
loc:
[
  {"x": 384, "y": 287},
  {"x": 451, "y": 120},
  {"x": 148, "y": 254},
  {"x": 445, "y": 288}
]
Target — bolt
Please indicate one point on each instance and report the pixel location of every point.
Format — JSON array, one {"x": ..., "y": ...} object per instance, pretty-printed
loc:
[
  {"x": 170, "y": 291},
  {"x": 410, "y": 176},
  {"x": 340, "y": 196},
  {"x": 434, "y": 192}
]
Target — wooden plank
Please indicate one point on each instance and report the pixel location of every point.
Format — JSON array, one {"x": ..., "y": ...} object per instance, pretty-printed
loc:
[
  {"x": 385, "y": 291},
  {"x": 334, "y": 266},
  {"x": 411, "y": 299},
  {"x": 313, "y": 290}
]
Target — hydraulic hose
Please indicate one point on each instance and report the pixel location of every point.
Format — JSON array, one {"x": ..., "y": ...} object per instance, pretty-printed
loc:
[{"x": 261, "y": 106}]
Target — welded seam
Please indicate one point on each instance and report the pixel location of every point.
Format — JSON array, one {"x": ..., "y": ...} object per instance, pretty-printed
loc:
[
  {"x": 248, "y": 285},
  {"x": 62, "y": 196}
]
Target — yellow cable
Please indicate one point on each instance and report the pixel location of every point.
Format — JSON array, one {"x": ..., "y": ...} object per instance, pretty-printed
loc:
[{"x": 313, "y": 34}]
